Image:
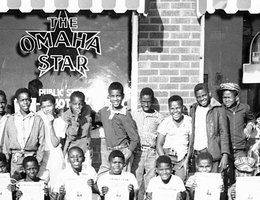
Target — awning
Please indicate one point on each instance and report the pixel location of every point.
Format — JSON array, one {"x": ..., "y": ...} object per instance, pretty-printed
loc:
[
  {"x": 73, "y": 6},
  {"x": 229, "y": 6}
]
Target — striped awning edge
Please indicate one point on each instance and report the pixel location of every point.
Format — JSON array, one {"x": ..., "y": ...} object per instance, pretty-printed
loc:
[
  {"x": 73, "y": 6},
  {"x": 229, "y": 6}
]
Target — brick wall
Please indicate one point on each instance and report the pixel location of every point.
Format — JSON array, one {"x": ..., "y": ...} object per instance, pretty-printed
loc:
[{"x": 169, "y": 46}]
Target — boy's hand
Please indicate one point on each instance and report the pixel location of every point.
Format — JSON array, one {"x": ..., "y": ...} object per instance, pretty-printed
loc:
[
  {"x": 18, "y": 194},
  {"x": 194, "y": 185},
  {"x": 46, "y": 190},
  {"x": 130, "y": 187},
  {"x": 62, "y": 190},
  {"x": 223, "y": 165},
  {"x": 185, "y": 165},
  {"x": 221, "y": 188},
  {"x": 148, "y": 196},
  {"x": 104, "y": 190},
  {"x": 128, "y": 154},
  {"x": 90, "y": 183}
]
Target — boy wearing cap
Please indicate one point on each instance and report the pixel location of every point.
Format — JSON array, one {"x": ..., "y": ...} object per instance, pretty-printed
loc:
[{"x": 240, "y": 119}]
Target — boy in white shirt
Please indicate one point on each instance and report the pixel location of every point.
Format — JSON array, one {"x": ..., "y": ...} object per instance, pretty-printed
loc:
[
  {"x": 165, "y": 186},
  {"x": 174, "y": 135},
  {"x": 85, "y": 174},
  {"x": 116, "y": 182}
]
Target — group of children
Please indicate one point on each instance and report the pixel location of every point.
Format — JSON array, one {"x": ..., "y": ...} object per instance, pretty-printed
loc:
[{"x": 150, "y": 153}]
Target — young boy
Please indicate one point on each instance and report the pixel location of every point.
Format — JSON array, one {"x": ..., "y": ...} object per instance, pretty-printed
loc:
[
  {"x": 209, "y": 128},
  {"x": 147, "y": 120},
  {"x": 115, "y": 183},
  {"x": 31, "y": 168},
  {"x": 78, "y": 120},
  {"x": 3, "y": 117},
  {"x": 165, "y": 186},
  {"x": 241, "y": 119},
  {"x": 83, "y": 175},
  {"x": 23, "y": 133},
  {"x": 119, "y": 127},
  {"x": 174, "y": 137}
]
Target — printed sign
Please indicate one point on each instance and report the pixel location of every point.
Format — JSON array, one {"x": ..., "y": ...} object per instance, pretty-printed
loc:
[{"x": 62, "y": 45}]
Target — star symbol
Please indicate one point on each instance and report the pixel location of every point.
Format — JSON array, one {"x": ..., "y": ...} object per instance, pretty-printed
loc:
[{"x": 60, "y": 42}]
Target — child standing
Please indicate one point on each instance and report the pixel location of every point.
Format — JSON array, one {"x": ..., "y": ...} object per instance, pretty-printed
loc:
[
  {"x": 23, "y": 133},
  {"x": 106, "y": 184},
  {"x": 209, "y": 128},
  {"x": 3, "y": 117},
  {"x": 83, "y": 174},
  {"x": 31, "y": 168},
  {"x": 55, "y": 127},
  {"x": 78, "y": 121},
  {"x": 119, "y": 127},
  {"x": 147, "y": 120},
  {"x": 174, "y": 137},
  {"x": 166, "y": 185}
]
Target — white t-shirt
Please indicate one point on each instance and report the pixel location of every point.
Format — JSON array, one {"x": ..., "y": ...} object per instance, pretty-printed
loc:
[
  {"x": 59, "y": 127},
  {"x": 162, "y": 191},
  {"x": 117, "y": 184},
  {"x": 201, "y": 139},
  {"x": 177, "y": 138}
]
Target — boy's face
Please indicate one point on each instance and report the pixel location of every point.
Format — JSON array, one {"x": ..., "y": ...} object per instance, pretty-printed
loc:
[
  {"x": 24, "y": 103},
  {"x": 204, "y": 166},
  {"x": 146, "y": 103},
  {"x": 258, "y": 120},
  {"x": 3, "y": 167},
  {"x": 116, "y": 165},
  {"x": 47, "y": 107},
  {"x": 176, "y": 110},
  {"x": 164, "y": 170},
  {"x": 116, "y": 98},
  {"x": 202, "y": 97},
  {"x": 2, "y": 105},
  {"x": 229, "y": 99},
  {"x": 76, "y": 158},
  {"x": 76, "y": 105},
  {"x": 31, "y": 169}
]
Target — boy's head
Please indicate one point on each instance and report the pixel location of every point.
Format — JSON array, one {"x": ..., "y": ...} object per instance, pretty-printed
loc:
[
  {"x": 76, "y": 158},
  {"x": 3, "y": 163},
  {"x": 164, "y": 167},
  {"x": 34, "y": 86},
  {"x": 77, "y": 101},
  {"x": 147, "y": 99},
  {"x": 23, "y": 97},
  {"x": 31, "y": 167},
  {"x": 117, "y": 162},
  {"x": 47, "y": 102},
  {"x": 3, "y": 102},
  {"x": 202, "y": 94},
  {"x": 116, "y": 94},
  {"x": 175, "y": 104},
  {"x": 204, "y": 162},
  {"x": 230, "y": 93}
]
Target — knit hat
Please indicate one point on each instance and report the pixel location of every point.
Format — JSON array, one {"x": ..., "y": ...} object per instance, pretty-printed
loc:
[{"x": 230, "y": 86}]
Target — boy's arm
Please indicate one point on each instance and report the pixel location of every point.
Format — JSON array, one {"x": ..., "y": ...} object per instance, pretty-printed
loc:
[
  {"x": 250, "y": 122},
  {"x": 224, "y": 138},
  {"x": 41, "y": 138},
  {"x": 131, "y": 130},
  {"x": 159, "y": 144},
  {"x": 6, "y": 145}
]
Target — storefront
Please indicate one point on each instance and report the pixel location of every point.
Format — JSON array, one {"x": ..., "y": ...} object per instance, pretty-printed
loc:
[{"x": 68, "y": 45}]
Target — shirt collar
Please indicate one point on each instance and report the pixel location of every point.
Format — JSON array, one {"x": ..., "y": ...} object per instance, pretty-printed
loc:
[
  {"x": 19, "y": 114},
  {"x": 113, "y": 112}
]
